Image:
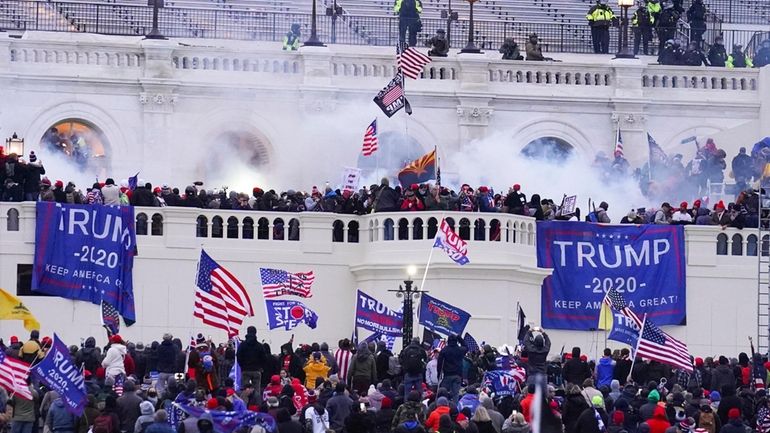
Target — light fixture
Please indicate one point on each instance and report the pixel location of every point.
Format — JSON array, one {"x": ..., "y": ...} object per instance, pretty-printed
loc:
[
  {"x": 626, "y": 3},
  {"x": 14, "y": 145},
  {"x": 411, "y": 270},
  {"x": 623, "y": 50}
]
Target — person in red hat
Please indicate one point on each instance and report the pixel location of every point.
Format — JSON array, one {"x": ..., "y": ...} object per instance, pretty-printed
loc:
[
  {"x": 720, "y": 217},
  {"x": 113, "y": 360},
  {"x": 734, "y": 423},
  {"x": 515, "y": 201},
  {"x": 682, "y": 215}
]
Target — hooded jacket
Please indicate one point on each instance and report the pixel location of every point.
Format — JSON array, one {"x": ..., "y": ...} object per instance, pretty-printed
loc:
[
  {"x": 113, "y": 360},
  {"x": 166, "y": 357},
  {"x": 363, "y": 365},
  {"x": 315, "y": 369},
  {"x": 250, "y": 354},
  {"x": 87, "y": 357},
  {"x": 537, "y": 351},
  {"x": 604, "y": 370},
  {"x": 659, "y": 422},
  {"x": 58, "y": 419}
]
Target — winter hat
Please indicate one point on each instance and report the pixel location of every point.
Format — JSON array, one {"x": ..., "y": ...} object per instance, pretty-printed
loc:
[
  {"x": 14, "y": 339},
  {"x": 32, "y": 156},
  {"x": 597, "y": 401},
  {"x": 461, "y": 417},
  {"x": 116, "y": 339},
  {"x": 734, "y": 413},
  {"x": 442, "y": 401},
  {"x": 212, "y": 403},
  {"x": 696, "y": 203},
  {"x": 683, "y": 205},
  {"x": 714, "y": 396},
  {"x": 699, "y": 362},
  {"x": 59, "y": 184},
  {"x": 146, "y": 408},
  {"x": 516, "y": 187},
  {"x": 687, "y": 424},
  {"x": 720, "y": 205},
  {"x": 483, "y": 189},
  {"x": 272, "y": 402},
  {"x": 653, "y": 396},
  {"x": 618, "y": 417}
]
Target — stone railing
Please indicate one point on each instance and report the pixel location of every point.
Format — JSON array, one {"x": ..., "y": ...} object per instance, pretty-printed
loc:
[{"x": 185, "y": 226}]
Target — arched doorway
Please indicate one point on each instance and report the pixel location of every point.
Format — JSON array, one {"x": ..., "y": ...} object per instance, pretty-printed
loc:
[
  {"x": 548, "y": 148},
  {"x": 240, "y": 154},
  {"x": 79, "y": 141},
  {"x": 395, "y": 150}
]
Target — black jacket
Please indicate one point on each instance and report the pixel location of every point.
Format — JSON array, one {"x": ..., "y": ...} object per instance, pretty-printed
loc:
[
  {"x": 537, "y": 351},
  {"x": 142, "y": 197},
  {"x": 251, "y": 354},
  {"x": 576, "y": 371},
  {"x": 387, "y": 200},
  {"x": 586, "y": 423},
  {"x": 166, "y": 357},
  {"x": 450, "y": 360},
  {"x": 717, "y": 55}
]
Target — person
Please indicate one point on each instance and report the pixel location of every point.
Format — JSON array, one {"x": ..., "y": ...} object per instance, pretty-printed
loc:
[
  {"x": 738, "y": 59},
  {"x": 113, "y": 361},
  {"x": 439, "y": 46},
  {"x": 717, "y": 54},
  {"x": 161, "y": 424},
  {"x": 128, "y": 407},
  {"x": 671, "y": 54},
  {"x": 682, "y": 215},
  {"x": 762, "y": 56},
  {"x": 605, "y": 369},
  {"x": 482, "y": 420},
  {"x": 601, "y": 213},
  {"x": 315, "y": 369},
  {"x": 742, "y": 169},
  {"x": 537, "y": 348},
  {"x": 413, "y": 361},
  {"x": 576, "y": 370},
  {"x": 663, "y": 215},
  {"x": 147, "y": 417},
  {"x": 339, "y": 407},
  {"x": 363, "y": 370},
  {"x": 594, "y": 419},
  {"x": 442, "y": 408},
  {"x": 316, "y": 419},
  {"x": 720, "y": 217},
  {"x": 600, "y": 19},
  {"x": 166, "y": 362},
  {"x": 534, "y": 51},
  {"x": 31, "y": 350},
  {"x": 510, "y": 50},
  {"x": 658, "y": 423},
  {"x": 696, "y": 16},
  {"x": 408, "y": 12},
  {"x": 734, "y": 422},
  {"x": 291, "y": 38},
  {"x": 450, "y": 364},
  {"x": 693, "y": 56},
  {"x": 641, "y": 25},
  {"x": 411, "y": 409},
  {"x": 59, "y": 420},
  {"x": 666, "y": 25},
  {"x": 516, "y": 424},
  {"x": 251, "y": 358}
]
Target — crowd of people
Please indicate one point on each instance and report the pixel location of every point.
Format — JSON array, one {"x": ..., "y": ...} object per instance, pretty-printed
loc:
[{"x": 367, "y": 388}]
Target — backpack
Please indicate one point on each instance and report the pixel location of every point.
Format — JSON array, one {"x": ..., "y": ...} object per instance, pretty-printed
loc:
[
  {"x": 413, "y": 363},
  {"x": 706, "y": 421},
  {"x": 102, "y": 424}
]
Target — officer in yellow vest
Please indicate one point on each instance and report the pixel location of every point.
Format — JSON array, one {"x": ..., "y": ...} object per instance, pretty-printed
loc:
[
  {"x": 600, "y": 19},
  {"x": 408, "y": 12},
  {"x": 291, "y": 38},
  {"x": 641, "y": 24}
]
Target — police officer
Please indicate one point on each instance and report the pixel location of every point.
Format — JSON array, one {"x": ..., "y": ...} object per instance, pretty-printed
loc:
[
  {"x": 693, "y": 55},
  {"x": 717, "y": 55},
  {"x": 696, "y": 16},
  {"x": 654, "y": 8},
  {"x": 762, "y": 57},
  {"x": 641, "y": 24},
  {"x": 291, "y": 39},
  {"x": 666, "y": 25},
  {"x": 510, "y": 50},
  {"x": 737, "y": 59},
  {"x": 438, "y": 43},
  {"x": 600, "y": 18},
  {"x": 671, "y": 54},
  {"x": 408, "y": 19}
]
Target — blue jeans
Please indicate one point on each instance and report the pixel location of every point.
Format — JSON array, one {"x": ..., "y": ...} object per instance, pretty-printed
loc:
[
  {"x": 412, "y": 381},
  {"x": 21, "y": 426},
  {"x": 452, "y": 384}
]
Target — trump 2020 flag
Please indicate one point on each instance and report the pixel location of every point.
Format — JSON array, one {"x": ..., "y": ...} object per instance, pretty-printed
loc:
[
  {"x": 452, "y": 244},
  {"x": 289, "y": 314},
  {"x": 59, "y": 373}
]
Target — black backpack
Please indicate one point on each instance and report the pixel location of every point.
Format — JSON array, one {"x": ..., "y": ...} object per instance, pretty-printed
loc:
[{"x": 413, "y": 363}]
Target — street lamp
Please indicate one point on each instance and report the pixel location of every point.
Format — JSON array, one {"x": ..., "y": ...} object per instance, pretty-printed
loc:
[
  {"x": 313, "y": 41},
  {"x": 623, "y": 51},
  {"x": 14, "y": 145},
  {"x": 450, "y": 16},
  {"x": 155, "y": 32},
  {"x": 334, "y": 11},
  {"x": 409, "y": 293},
  {"x": 471, "y": 46}
]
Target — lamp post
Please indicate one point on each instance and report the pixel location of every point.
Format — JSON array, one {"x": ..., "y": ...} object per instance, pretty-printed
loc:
[
  {"x": 450, "y": 16},
  {"x": 623, "y": 51},
  {"x": 313, "y": 41},
  {"x": 14, "y": 145},
  {"x": 471, "y": 47},
  {"x": 334, "y": 11},
  {"x": 155, "y": 32},
  {"x": 409, "y": 293}
]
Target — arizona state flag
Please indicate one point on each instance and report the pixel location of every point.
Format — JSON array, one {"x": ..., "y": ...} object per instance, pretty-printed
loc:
[
  {"x": 419, "y": 170},
  {"x": 11, "y": 308}
]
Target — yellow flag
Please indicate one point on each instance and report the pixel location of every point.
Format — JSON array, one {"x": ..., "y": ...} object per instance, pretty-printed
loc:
[
  {"x": 766, "y": 171},
  {"x": 11, "y": 308},
  {"x": 605, "y": 318}
]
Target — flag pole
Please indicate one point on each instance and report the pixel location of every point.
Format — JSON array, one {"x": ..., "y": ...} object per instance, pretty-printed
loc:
[
  {"x": 636, "y": 349},
  {"x": 430, "y": 255}
]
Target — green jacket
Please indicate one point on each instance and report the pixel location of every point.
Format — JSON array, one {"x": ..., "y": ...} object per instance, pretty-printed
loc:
[
  {"x": 23, "y": 409},
  {"x": 290, "y": 42}
]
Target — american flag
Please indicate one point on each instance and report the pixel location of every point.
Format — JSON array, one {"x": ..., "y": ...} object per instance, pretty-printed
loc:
[
  {"x": 657, "y": 155},
  {"x": 619, "y": 145},
  {"x": 13, "y": 376},
  {"x": 370, "y": 139},
  {"x": 656, "y": 345},
  {"x": 221, "y": 300},
  {"x": 343, "y": 358},
  {"x": 276, "y": 282},
  {"x": 616, "y": 302},
  {"x": 396, "y": 92},
  {"x": 471, "y": 343},
  {"x": 763, "y": 420},
  {"x": 412, "y": 62},
  {"x": 438, "y": 343},
  {"x": 110, "y": 318},
  {"x": 117, "y": 387}
]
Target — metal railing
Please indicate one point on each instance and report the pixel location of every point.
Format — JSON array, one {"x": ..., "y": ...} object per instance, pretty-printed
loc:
[{"x": 741, "y": 11}]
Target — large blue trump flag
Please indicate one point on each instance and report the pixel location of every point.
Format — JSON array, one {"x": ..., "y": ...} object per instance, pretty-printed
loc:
[
  {"x": 645, "y": 264},
  {"x": 86, "y": 253}
]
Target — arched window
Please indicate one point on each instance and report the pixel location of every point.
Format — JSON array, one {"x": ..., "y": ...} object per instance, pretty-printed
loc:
[
  {"x": 451, "y": 222},
  {"x": 432, "y": 227},
  {"x": 465, "y": 229},
  {"x": 387, "y": 227},
  {"x": 353, "y": 232},
  {"x": 80, "y": 142},
  {"x": 141, "y": 224},
  {"x": 417, "y": 228},
  {"x": 479, "y": 231},
  {"x": 249, "y": 147},
  {"x": 338, "y": 227},
  {"x": 247, "y": 232},
  {"x": 294, "y": 229},
  {"x": 263, "y": 228},
  {"x": 751, "y": 245},
  {"x": 371, "y": 231},
  {"x": 156, "y": 229},
  {"x": 494, "y": 230},
  {"x": 721, "y": 244},
  {"x": 12, "y": 224},
  {"x": 403, "y": 229},
  {"x": 278, "y": 229},
  {"x": 548, "y": 148},
  {"x": 202, "y": 227},
  {"x": 737, "y": 246},
  {"x": 232, "y": 228},
  {"x": 216, "y": 227}
]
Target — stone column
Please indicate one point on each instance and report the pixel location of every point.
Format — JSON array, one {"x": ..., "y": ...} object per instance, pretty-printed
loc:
[
  {"x": 5, "y": 52},
  {"x": 628, "y": 108},
  {"x": 473, "y": 118},
  {"x": 158, "y": 58},
  {"x": 763, "y": 88},
  {"x": 158, "y": 142},
  {"x": 316, "y": 66}
]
